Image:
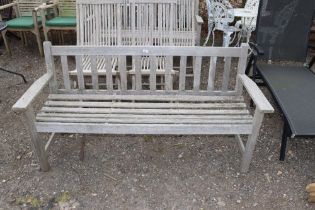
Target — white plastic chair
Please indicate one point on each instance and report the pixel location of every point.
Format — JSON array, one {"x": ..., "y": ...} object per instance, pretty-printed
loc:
[{"x": 222, "y": 17}]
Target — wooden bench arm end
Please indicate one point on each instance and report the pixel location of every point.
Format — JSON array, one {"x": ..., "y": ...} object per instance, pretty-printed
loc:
[
  {"x": 29, "y": 96},
  {"x": 256, "y": 94},
  {"x": 199, "y": 20}
]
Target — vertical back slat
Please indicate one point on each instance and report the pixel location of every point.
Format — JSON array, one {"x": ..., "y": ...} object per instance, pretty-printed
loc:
[
  {"x": 122, "y": 72},
  {"x": 182, "y": 73},
  {"x": 138, "y": 68},
  {"x": 153, "y": 68},
  {"x": 197, "y": 72},
  {"x": 212, "y": 70},
  {"x": 242, "y": 66},
  {"x": 109, "y": 75},
  {"x": 50, "y": 65},
  {"x": 78, "y": 60},
  {"x": 65, "y": 72},
  {"x": 94, "y": 72},
  {"x": 226, "y": 73},
  {"x": 168, "y": 73}
]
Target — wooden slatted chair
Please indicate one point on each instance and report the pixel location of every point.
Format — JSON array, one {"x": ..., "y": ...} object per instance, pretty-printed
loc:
[
  {"x": 27, "y": 20},
  {"x": 5, "y": 14},
  {"x": 64, "y": 19},
  {"x": 134, "y": 22},
  {"x": 193, "y": 107}
]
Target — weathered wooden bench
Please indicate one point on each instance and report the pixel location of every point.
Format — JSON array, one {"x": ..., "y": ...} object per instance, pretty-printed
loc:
[{"x": 194, "y": 105}]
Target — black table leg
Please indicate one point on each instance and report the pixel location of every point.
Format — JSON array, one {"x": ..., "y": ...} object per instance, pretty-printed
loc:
[
  {"x": 249, "y": 64},
  {"x": 285, "y": 135},
  {"x": 312, "y": 62},
  {"x": 11, "y": 72}
]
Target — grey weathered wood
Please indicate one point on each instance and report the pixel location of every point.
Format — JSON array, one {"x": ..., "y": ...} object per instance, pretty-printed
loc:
[
  {"x": 145, "y": 97},
  {"x": 212, "y": 70},
  {"x": 153, "y": 68},
  {"x": 256, "y": 95},
  {"x": 182, "y": 77},
  {"x": 109, "y": 75},
  {"x": 252, "y": 140},
  {"x": 226, "y": 73},
  {"x": 38, "y": 145},
  {"x": 94, "y": 73},
  {"x": 30, "y": 95},
  {"x": 49, "y": 141},
  {"x": 240, "y": 143},
  {"x": 65, "y": 72},
  {"x": 78, "y": 61},
  {"x": 50, "y": 66},
  {"x": 143, "y": 128},
  {"x": 197, "y": 73},
  {"x": 174, "y": 110}
]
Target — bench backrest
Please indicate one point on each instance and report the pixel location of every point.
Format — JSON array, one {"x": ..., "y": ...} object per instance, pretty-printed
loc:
[
  {"x": 26, "y": 7},
  {"x": 136, "y": 22},
  {"x": 195, "y": 76},
  {"x": 67, "y": 8}
]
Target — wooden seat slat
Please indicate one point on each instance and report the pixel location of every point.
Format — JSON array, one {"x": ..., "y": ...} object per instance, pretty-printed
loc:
[
  {"x": 143, "y": 111},
  {"x": 144, "y": 105},
  {"x": 192, "y": 98},
  {"x": 152, "y": 129},
  {"x": 142, "y": 120},
  {"x": 138, "y": 116}
]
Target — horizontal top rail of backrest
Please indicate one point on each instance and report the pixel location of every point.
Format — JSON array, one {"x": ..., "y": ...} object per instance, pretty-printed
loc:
[
  {"x": 67, "y": 8},
  {"x": 26, "y": 7},
  {"x": 148, "y": 50},
  {"x": 182, "y": 69}
]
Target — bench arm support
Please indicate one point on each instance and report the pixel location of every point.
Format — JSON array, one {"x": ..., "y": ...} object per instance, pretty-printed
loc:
[
  {"x": 30, "y": 95},
  {"x": 256, "y": 94},
  {"x": 199, "y": 22}
]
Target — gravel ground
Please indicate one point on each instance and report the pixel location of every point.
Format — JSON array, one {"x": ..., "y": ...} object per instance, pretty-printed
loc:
[{"x": 144, "y": 172}]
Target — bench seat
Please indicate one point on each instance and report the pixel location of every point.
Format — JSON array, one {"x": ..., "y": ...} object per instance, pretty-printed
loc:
[{"x": 107, "y": 115}]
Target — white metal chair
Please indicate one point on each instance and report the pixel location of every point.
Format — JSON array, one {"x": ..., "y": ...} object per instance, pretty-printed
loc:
[
  {"x": 248, "y": 25},
  {"x": 222, "y": 17}
]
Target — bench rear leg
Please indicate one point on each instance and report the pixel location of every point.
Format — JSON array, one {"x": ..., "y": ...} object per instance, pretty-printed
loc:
[
  {"x": 251, "y": 142},
  {"x": 38, "y": 146}
]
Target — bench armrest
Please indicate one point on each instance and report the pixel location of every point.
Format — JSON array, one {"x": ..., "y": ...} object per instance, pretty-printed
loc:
[
  {"x": 29, "y": 96},
  {"x": 256, "y": 94},
  {"x": 48, "y": 6},
  {"x": 7, "y": 5},
  {"x": 199, "y": 20}
]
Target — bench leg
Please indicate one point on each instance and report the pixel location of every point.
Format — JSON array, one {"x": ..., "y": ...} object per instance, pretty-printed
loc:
[
  {"x": 251, "y": 142},
  {"x": 6, "y": 42},
  {"x": 38, "y": 146},
  {"x": 285, "y": 135}
]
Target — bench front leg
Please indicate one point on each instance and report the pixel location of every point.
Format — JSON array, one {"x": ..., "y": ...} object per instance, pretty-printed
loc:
[
  {"x": 38, "y": 145},
  {"x": 252, "y": 140}
]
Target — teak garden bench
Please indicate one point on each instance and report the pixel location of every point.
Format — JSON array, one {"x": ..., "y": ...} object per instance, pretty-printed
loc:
[{"x": 185, "y": 108}]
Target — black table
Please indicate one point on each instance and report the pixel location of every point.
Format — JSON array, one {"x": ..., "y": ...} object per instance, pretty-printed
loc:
[
  {"x": 3, "y": 26},
  {"x": 293, "y": 89}
]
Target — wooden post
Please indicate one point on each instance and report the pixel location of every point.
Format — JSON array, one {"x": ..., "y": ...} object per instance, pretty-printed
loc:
[
  {"x": 38, "y": 146},
  {"x": 251, "y": 142}
]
